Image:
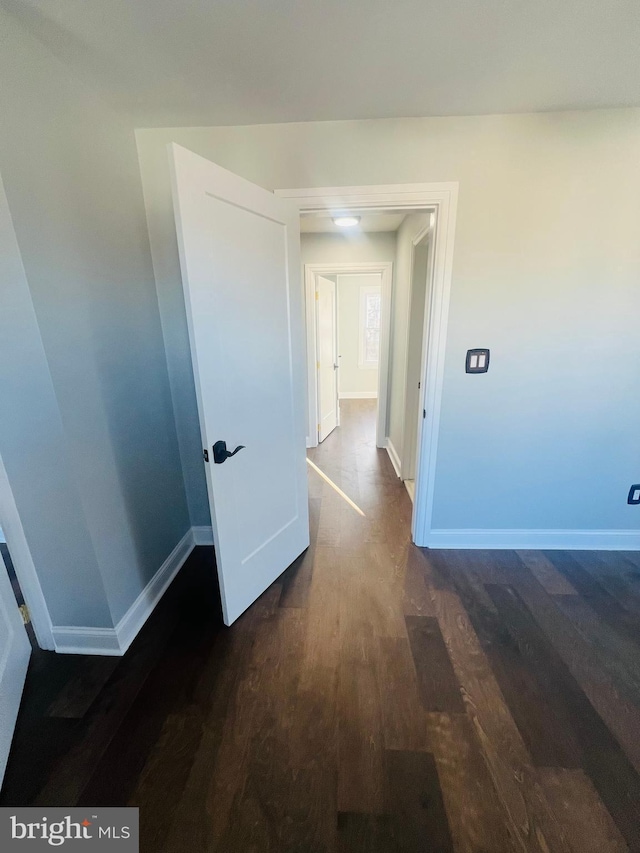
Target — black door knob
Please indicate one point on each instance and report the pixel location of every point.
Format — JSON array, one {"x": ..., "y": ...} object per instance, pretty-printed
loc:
[{"x": 220, "y": 452}]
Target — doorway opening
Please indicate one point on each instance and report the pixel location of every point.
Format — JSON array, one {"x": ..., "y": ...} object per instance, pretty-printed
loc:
[
  {"x": 348, "y": 308},
  {"x": 413, "y": 459},
  {"x": 441, "y": 200}
]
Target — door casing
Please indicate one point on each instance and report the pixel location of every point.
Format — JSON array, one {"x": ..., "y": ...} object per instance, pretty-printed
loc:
[{"x": 442, "y": 198}]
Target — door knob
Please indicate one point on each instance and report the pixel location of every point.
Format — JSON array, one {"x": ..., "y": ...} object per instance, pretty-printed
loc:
[{"x": 220, "y": 452}]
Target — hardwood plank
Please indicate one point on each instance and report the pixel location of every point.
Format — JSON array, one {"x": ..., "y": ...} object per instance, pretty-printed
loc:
[
  {"x": 529, "y": 817},
  {"x": 605, "y": 605},
  {"x": 108, "y": 713},
  {"x": 476, "y": 818},
  {"x": 403, "y": 715},
  {"x": 573, "y": 798},
  {"x": 281, "y": 810},
  {"x": 80, "y": 691},
  {"x": 365, "y": 833},
  {"x": 414, "y": 801},
  {"x": 619, "y": 714},
  {"x": 314, "y": 734},
  {"x": 246, "y": 714},
  {"x": 616, "y": 654},
  {"x": 616, "y": 573},
  {"x": 360, "y": 737},
  {"x": 191, "y": 827},
  {"x": 540, "y": 716},
  {"x": 40, "y": 745},
  {"x": 416, "y": 600},
  {"x": 438, "y": 686},
  {"x": 612, "y": 774},
  {"x": 546, "y": 573}
]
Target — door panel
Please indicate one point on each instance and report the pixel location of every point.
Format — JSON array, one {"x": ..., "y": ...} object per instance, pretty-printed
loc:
[
  {"x": 15, "y": 650},
  {"x": 327, "y": 337},
  {"x": 239, "y": 248}
]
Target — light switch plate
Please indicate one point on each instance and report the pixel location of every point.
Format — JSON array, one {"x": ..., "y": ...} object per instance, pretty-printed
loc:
[
  {"x": 477, "y": 361},
  {"x": 634, "y": 495}
]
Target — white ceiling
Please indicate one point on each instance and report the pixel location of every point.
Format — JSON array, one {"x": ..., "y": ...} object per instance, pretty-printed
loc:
[
  {"x": 313, "y": 223},
  {"x": 201, "y": 62}
]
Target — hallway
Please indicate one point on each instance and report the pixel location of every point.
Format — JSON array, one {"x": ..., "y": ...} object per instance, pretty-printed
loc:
[{"x": 376, "y": 698}]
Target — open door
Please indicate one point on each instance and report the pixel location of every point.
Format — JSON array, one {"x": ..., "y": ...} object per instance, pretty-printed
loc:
[
  {"x": 15, "y": 650},
  {"x": 327, "y": 338},
  {"x": 240, "y": 259}
]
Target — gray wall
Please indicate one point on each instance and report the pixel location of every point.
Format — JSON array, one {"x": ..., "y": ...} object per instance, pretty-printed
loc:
[
  {"x": 550, "y": 288},
  {"x": 359, "y": 248},
  {"x": 35, "y": 452},
  {"x": 72, "y": 181}
]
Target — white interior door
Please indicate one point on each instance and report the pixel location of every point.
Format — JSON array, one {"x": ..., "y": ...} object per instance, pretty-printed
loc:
[
  {"x": 327, "y": 343},
  {"x": 15, "y": 650},
  {"x": 240, "y": 258}
]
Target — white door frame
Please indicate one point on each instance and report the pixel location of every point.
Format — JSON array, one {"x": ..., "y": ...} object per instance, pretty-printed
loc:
[
  {"x": 23, "y": 564},
  {"x": 443, "y": 199},
  {"x": 385, "y": 269}
]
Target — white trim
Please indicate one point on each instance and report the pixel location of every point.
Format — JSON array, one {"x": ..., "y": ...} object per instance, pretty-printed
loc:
[
  {"x": 128, "y": 627},
  {"x": 443, "y": 199},
  {"x": 203, "y": 535},
  {"x": 86, "y": 641},
  {"x": 372, "y": 197},
  {"x": 23, "y": 565},
  {"x": 385, "y": 270},
  {"x": 357, "y": 395},
  {"x": 576, "y": 540},
  {"x": 393, "y": 456},
  {"x": 116, "y": 641}
]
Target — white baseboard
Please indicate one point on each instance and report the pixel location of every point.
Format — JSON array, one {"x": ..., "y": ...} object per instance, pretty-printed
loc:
[
  {"x": 570, "y": 540},
  {"x": 128, "y": 627},
  {"x": 393, "y": 456},
  {"x": 202, "y": 535},
  {"x": 116, "y": 641},
  {"x": 86, "y": 641},
  {"x": 358, "y": 395}
]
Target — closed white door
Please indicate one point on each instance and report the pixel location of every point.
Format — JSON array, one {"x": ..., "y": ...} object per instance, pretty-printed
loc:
[
  {"x": 240, "y": 258},
  {"x": 327, "y": 338},
  {"x": 15, "y": 650}
]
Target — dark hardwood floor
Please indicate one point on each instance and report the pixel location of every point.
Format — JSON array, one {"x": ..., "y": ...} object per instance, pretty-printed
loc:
[{"x": 376, "y": 698}]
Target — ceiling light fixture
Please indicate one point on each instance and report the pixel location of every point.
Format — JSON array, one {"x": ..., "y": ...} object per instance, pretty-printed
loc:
[{"x": 345, "y": 221}]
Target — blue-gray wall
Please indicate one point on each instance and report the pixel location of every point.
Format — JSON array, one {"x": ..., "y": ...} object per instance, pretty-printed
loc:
[
  {"x": 546, "y": 273},
  {"x": 71, "y": 176}
]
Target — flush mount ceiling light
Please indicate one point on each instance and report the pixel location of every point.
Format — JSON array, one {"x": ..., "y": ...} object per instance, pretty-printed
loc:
[{"x": 345, "y": 221}]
